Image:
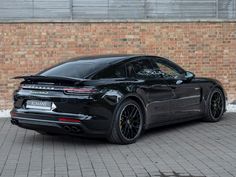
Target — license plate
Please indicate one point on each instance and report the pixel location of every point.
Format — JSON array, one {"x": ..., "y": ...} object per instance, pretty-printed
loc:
[{"x": 36, "y": 104}]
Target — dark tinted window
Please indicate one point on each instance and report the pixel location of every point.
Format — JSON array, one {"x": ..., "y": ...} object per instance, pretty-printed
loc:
[
  {"x": 142, "y": 69},
  {"x": 166, "y": 70},
  {"x": 75, "y": 69},
  {"x": 116, "y": 71}
]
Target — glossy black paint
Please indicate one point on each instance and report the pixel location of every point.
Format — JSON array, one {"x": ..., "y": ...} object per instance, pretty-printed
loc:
[{"x": 163, "y": 101}]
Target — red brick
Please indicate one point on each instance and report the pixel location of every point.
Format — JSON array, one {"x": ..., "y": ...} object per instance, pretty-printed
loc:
[{"x": 208, "y": 49}]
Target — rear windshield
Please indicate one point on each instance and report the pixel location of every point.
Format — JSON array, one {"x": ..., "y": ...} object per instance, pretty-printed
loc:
[{"x": 75, "y": 69}]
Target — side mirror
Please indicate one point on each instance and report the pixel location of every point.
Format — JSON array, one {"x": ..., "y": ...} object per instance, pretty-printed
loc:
[{"x": 189, "y": 75}]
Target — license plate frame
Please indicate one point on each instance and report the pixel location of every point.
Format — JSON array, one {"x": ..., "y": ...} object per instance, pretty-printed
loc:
[{"x": 38, "y": 104}]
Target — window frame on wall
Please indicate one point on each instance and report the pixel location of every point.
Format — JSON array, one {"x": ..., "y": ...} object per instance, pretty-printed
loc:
[{"x": 117, "y": 10}]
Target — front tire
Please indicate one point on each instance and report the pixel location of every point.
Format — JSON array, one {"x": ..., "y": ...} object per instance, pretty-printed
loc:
[
  {"x": 215, "y": 106},
  {"x": 127, "y": 124}
]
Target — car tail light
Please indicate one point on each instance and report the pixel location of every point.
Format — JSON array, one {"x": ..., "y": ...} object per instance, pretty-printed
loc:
[
  {"x": 68, "y": 120},
  {"x": 79, "y": 90}
]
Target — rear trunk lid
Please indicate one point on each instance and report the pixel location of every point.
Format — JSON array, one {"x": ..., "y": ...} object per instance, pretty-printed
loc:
[{"x": 53, "y": 94}]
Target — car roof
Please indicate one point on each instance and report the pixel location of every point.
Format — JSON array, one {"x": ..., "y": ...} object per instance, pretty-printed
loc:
[
  {"x": 101, "y": 62},
  {"x": 114, "y": 58}
]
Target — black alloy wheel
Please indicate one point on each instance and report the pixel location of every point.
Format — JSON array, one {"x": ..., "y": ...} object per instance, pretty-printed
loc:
[
  {"x": 128, "y": 123},
  {"x": 216, "y": 105}
]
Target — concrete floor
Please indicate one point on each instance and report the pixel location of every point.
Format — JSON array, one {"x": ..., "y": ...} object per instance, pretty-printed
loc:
[{"x": 189, "y": 149}]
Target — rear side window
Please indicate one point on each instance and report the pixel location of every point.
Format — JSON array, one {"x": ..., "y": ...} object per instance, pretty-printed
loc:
[
  {"x": 75, "y": 69},
  {"x": 116, "y": 71}
]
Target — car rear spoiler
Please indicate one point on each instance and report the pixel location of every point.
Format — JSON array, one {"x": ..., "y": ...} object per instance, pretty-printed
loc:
[{"x": 51, "y": 79}]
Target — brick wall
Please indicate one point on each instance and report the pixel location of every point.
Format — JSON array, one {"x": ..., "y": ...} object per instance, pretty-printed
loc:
[{"x": 208, "y": 49}]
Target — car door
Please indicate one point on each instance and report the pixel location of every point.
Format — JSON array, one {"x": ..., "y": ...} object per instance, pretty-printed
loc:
[
  {"x": 186, "y": 99},
  {"x": 154, "y": 90}
]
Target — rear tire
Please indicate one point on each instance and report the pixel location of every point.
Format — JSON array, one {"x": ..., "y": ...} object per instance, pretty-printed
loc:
[
  {"x": 127, "y": 124},
  {"x": 46, "y": 133},
  {"x": 215, "y": 106}
]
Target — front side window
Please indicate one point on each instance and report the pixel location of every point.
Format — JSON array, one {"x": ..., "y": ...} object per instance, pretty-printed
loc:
[
  {"x": 142, "y": 69},
  {"x": 167, "y": 71}
]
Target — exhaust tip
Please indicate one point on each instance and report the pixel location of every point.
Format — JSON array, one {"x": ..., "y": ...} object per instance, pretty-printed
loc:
[
  {"x": 75, "y": 129},
  {"x": 67, "y": 128},
  {"x": 72, "y": 129},
  {"x": 13, "y": 122}
]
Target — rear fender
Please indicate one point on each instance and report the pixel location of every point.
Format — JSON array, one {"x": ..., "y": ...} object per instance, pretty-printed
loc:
[{"x": 134, "y": 97}]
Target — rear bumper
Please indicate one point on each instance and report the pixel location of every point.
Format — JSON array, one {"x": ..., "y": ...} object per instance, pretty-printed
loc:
[{"x": 51, "y": 124}]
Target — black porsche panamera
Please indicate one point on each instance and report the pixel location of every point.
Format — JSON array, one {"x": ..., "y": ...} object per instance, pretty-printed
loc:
[{"x": 117, "y": 97}]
